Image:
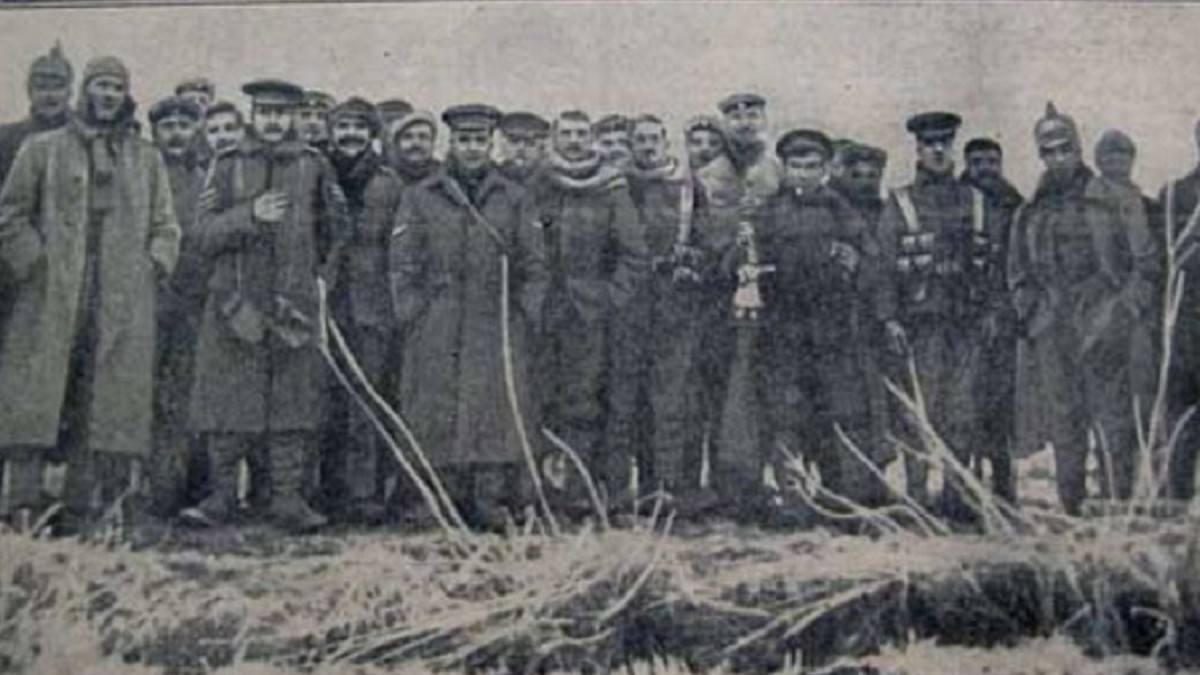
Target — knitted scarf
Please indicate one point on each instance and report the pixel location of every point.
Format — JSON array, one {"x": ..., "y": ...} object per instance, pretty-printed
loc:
[{"x": 582, "y": 175}]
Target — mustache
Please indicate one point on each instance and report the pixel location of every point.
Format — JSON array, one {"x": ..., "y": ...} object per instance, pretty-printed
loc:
[
  {"x": 273, "y": 128},
  {"x": 353, "y": 140}
]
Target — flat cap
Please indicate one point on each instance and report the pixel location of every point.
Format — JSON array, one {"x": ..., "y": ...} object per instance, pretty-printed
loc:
[
  {"x": 471, "y": 116},
  {"x": 317, "y": 99},
  {"x": 398, "y": 126},
  {"x": 278, "y": 92},
  {"x": 393, "y": 109},
  {"x": 858, "y": 153},
  {"x": 803, "y": 141},
  {"x": 358, "y": 108},
  {"x": 935, "y": 124},
  {"x": 524, "y": 125},
  {"x": 614, "y": 122},
  {"x": 221, "y": 107},
  {"x": 196, "y": 84},
  {"x": 1115, "y": 141},
  {"x": 741, "y": 101},
  {"x": 173, "y": 106},
  {"x": 982, "y": 144}
]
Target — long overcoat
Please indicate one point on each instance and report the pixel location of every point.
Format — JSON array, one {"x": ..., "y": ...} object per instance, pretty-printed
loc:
[
  {"x": 44, "y": 220},
  {"x": 446, "y": 281}
]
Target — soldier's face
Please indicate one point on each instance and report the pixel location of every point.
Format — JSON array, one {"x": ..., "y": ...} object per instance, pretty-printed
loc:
[
  {"x": 746, "y": 124},
  {"x": 524, "y": 151},
  {"x": 351, "y": 135},
  {"x": 200, "y": 98},
  {"x": 271, "y": 122},
  {"x": 415, "y": 144},
  {"x": 49, "y": 96},
  {"x": 934, "y": 154},
  {"x": 649, "y": 144},
  {"x": 175, "y": 134},
  {"x": 614, "y": 149},
  {"x": 106, "y": 96},
  {"x": 804, "y": 171},
  {"x": 863, "y": 178},
  {"x": 1116, "y": 165},
  {"x": 572, "y": 139},
  {"x": 312, "y": 125},
  {"x": 472, "y": 148},
  {"x": 703, "y": 146},
  {"x": 983, "y": 165},
  {"x": 1062, "y": 158},
  {"x": 223, "y": 130}
]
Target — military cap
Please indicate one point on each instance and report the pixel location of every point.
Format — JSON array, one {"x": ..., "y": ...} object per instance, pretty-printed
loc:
[
  {"x": 471, "y": 116},
  {"x": 981, "y": 144},
  {"x": 319, "y": 100},
  {"x": 859, "y": 153},
  {"x": 933, "y": 125},
  {"x": 1055, "y": 129},
  {"x": 416, "y": 117},
  {"x": 611, "y": 123},
  {"x": 740, "y": 101},
  {"x": 173, "y": 106},
  {"x": 803, "y": 141},
  {"x": 524, "y": 125},
  {"x": 1115, "y": 141},
  {"x": 393, "y": 109},
  {"x": 52, "y": 64},
  {"x": 196, "y": 84},
  {"x": 276, "y": 92},
  {"x": 357, "y": 107}
]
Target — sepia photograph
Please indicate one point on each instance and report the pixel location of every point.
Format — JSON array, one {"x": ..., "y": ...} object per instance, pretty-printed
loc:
[{"x": 636, "y": 337}]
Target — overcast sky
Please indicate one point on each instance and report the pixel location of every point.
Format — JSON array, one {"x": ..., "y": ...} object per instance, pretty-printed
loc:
[{"x": 851, "y": 69}]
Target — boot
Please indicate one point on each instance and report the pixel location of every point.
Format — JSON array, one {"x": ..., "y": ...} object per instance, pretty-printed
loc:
[
  {"x": 289, "y": 509},
  {"x": 218, "y": 506}
]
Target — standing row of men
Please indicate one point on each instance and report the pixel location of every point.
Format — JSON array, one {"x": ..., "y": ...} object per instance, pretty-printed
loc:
[{"x": 590, "y": 291}]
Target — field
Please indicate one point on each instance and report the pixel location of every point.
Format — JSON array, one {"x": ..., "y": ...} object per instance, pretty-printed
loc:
[{"x": 1107, "y": 594}]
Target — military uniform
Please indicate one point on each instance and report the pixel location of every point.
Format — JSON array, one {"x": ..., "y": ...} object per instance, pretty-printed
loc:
[
  {"x": 361, "y": 304},
  {"x": 596, "y": 252},
  {"x": 259, "y": 378},
  {"x": 1082, "y": 277},
  {"x": 522, "y": 127},
  {"x": 410, "y": 172},
  {"x": 936, "y": 242},
  {"x": 814, "y": 364}
]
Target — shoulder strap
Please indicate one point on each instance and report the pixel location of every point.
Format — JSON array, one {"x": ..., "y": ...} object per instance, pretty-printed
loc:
[
  {"x": 907, "y": 210},
  {"x": 461, "y": 196},
  {"x": 687, "y": 202}
]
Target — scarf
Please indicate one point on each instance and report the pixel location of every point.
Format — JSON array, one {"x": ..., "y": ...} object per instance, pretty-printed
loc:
[
  {"x": 354, "y": 174},
  {"x": 669, "y": 170},
  {"x": 103, "y": 143},
  {"x": 587, "y": 174},
  {"x": 415, "y": 172}
]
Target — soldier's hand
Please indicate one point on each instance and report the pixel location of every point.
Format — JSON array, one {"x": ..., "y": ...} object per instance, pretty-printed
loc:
[
  {"x": 845, "y": 255},
  {"x": 896, "y": 337},
  {"x": 207, "y": 201},
  {"x": 271, "y": 207}
]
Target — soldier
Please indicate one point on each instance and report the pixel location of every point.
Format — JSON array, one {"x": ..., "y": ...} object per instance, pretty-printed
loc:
[
  {"x": 274, "y": 230},
  {"x": 936, "y": 242},
  {"x": 199, "y": 90},
  {"x": 709, "y": 160},
  {"x": 224, "y": 127},
  {"x": 390, "y": 111},
  {"x": 49, "y": 89},
  {"x": 362, "y": 306},
  {"x": 1180, "y": 199},
  {"x": 746, "y": 122},
  {"x": 525, "y": 137},
  {"x": 596, "y": 254},
  {"x": 862, "y": 181},
  {"x": 984, "y": 159},
  {"x": 87, "y": 232},
  {"x": 412, "y": 141},
  {"x": 1082, "y": 277},
  {"x": 175, "y": 123},
  {"x": 656, "y": 338},
  {"x": 612, "y": 134},
  {"x": 312, "y": 119},
  {"x": 818, "y": 303},
  {"x": 449, "y": 276}
]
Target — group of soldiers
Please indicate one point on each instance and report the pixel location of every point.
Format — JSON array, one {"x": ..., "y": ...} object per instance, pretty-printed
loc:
[{"x": 692, "y": 328}]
